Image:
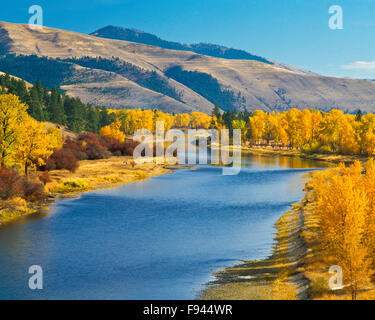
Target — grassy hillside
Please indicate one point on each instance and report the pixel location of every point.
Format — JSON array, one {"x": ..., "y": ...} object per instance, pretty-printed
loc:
[{"x": 130, "y": 74}]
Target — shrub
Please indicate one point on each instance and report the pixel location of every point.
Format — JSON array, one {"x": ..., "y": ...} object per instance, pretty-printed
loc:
[
  {"x": 77, "y": 148},
  {"x": 10, "y": 183},
  {"x": 88, "y": 146},
  {"x": 44, "y": 177},
  {"x": 62, "y": 159},
  {"x": 312, "y": 147},
  {"x": 128, "y": 148},
  {"x": 318, "y": 287},
  {"x": 72, "y": 185},
  {"x": 325, "y": 149},
  {"x": 93, "y": 146},
  {"x": 32, "y": 191},
  {"x": 118, "y": 148},
  {"x": 17, "y": 203}
]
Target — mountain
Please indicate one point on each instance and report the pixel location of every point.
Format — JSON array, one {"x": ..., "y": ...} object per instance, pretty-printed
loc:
[
  {"x": 212, "y": 50},
  {"x": 119, "y": 74}
]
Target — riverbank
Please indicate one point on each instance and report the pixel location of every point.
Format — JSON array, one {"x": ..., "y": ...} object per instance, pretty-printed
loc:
[
  {"x": 275, "y": 278},
  {"x": 298, "y": 268},
  {"x": 281, "y": 276},
  {"x": 91, "y": 175},
  {"x": 334, "y": 158}
]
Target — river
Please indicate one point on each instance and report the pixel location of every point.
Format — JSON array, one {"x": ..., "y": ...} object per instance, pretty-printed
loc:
[{"x": 155, "y": 239}]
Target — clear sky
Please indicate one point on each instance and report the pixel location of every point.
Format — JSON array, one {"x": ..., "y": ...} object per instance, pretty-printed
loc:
[{"x": 290, "y": 31}]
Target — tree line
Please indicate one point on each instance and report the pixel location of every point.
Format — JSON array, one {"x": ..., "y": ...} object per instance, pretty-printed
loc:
[{"x": 308, "y": 130}]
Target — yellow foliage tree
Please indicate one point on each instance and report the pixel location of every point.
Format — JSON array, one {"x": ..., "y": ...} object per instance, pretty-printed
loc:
[
  {"x": 182, "y": 120},
  {"x": 258, "y": 125},
  {"x": 113, "y": 131},
  {"x": 200, "y": 120},
  {"x": 36, "y": 143},
  {"x": 342, "y": 206},
  {"x": 12, "y": 114}
]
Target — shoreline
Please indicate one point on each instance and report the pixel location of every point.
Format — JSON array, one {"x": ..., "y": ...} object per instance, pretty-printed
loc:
[
  {"x": 91, "y": 175},
  {"x": 334, "y": 158},
  {"x": 295, "y": 269},
  {"x": 279, "y": 276}
]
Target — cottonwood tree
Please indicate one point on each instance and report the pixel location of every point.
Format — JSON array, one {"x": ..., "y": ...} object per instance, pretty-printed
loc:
[
  {"x": 36, "y": 144},
  {"x": 12, "y": 114},
  {"x": 343, "y": 208}
]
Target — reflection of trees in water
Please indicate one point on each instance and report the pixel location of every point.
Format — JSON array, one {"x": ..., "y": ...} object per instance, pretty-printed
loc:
[{"x": 285, "y": 162}]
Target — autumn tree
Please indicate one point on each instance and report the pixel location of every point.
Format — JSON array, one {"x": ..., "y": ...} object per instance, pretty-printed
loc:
[
  {"x": 342, "y": 206},
  {"x": 12, "y": 114},
  {"x": 182, "y": 120},
  {"x": 200, "y": 120},
  {"x": 36, "y": 144},
  {"x": 113, "y": 131},
  {"x": 258, "y": 125}
]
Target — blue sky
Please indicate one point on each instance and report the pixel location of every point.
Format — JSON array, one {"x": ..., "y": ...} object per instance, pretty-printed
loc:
[{"x": 290, "y": 31}]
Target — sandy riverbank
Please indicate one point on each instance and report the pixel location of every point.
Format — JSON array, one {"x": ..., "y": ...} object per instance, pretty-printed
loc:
[{"x": 275, "y": 278}]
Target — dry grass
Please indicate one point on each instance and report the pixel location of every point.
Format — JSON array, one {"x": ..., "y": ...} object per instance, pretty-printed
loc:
[
  {"x": 15, "y": 208},
  {"x": 95, "y": 174},
  {"x": 91, "y": 175},
  {"x": 251, "y": 78}
]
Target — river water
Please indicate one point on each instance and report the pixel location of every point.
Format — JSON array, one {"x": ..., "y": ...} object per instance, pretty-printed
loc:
[{"x": 155, "y": 239}]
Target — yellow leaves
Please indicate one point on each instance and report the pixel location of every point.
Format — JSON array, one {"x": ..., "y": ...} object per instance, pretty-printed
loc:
[
  {"x": 113, "y": 131},
  {"x": 136, "y": 119},
  {"x": 345, "y": 207},
  {"x": 166, "y": 118},
  {"x": 348, "y": 142},
  {"x": 12, "y": 113},
  {"x": 35, "y": 143},
  {"x": 182, "y": 120},
  {"x": 316, "y": 131},
  {"x": 24, "y": 141},
  {"x": 258, "y": 124},
  {"x": 55, "y": 137},
  {"x": 308, "y": 130},
  {"x": 200, "y": 120}
]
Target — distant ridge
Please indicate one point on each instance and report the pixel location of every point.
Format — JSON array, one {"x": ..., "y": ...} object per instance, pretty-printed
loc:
[{"x": 208, "y": 49}]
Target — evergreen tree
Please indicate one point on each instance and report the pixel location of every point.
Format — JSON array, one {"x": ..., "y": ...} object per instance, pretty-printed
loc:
[
  {"x": 75, "y": 113},
  {"x": 55, "y": 108},
  {"x": 216, "y": 112},
  {"x": 21, "y": 90},
  {"x": 106, "y": 118},
  {"x": 358, "y": 116},
  {"x": 93, "y": 120},
  {"x": 35, "y": 107}
]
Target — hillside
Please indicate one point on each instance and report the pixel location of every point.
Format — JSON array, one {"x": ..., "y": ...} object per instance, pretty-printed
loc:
[{"x": 131, "y": 74}]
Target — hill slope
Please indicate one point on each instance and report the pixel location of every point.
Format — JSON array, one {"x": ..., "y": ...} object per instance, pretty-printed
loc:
[{"x": 139, "y": 75}]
